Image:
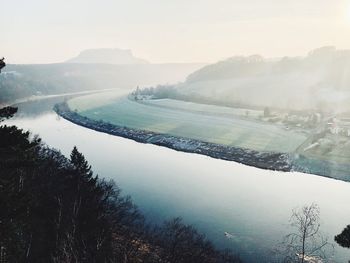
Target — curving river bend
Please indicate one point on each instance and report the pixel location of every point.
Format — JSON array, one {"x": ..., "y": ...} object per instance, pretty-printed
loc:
[{"x": 216, "y": 196}]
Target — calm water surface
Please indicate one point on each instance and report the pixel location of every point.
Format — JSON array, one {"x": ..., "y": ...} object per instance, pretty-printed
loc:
[{"x": 215, "y": 195}]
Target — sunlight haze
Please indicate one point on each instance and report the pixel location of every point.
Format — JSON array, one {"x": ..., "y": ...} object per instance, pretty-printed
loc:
[
  {"x": 175, "y": 131},
  {"x": 161, "y": 31}
]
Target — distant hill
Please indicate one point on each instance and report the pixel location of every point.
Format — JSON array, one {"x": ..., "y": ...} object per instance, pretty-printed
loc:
[
  {"x": 320, "y": 80},
  {"x": 107, "y": 56},
  {"x": 19, "y": 81}
]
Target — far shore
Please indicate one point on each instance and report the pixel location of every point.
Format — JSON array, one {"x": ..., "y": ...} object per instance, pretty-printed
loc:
[
  {"x": 265, "y": 160},
  {"x": 43, "y": 97}
]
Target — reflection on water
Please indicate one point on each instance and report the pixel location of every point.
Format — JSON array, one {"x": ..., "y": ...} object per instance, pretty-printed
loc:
[
  {"x": 217, "y": 196},
  {"x": 37, "y": 108}
]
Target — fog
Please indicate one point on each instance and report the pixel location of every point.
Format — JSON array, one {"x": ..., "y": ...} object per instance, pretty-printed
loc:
[
  {"x": 282, "y": 32},
  {"x": 159, "y": 31},
  {"x": 320, "y": 80}
]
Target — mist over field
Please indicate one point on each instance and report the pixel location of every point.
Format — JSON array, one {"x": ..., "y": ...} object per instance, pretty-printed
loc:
[{"x": 320, "y": 80}]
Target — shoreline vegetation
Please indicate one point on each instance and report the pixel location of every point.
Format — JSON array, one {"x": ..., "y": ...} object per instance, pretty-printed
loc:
[
  {"x": 82, "y": 218},
  {"x": 264, "y": 160}
]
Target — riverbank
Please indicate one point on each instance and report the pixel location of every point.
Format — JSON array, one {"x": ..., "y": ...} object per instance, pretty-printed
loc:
[
  {"x": 223, "y": 195},
  {"x": 264, "y": 160}
]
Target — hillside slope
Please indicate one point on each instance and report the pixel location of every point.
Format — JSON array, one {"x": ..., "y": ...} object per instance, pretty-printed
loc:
[
  {"x": 107, "y": 56},
  {"x": 321, "y": 80},
  {"x": 20, "y": 81}
]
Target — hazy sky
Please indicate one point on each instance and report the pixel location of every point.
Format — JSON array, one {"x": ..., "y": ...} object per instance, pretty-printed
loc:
[{"x": 43, "y": 31}]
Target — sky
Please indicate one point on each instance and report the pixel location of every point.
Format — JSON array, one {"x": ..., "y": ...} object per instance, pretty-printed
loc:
[{"x": 163, "y": 31}]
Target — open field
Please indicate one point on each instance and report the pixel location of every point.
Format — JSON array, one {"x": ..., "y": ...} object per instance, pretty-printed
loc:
[
  {"x": 92, "y": 101},
  {"x": 203, "y": 108},
  {"x": 188, "y": 120}
]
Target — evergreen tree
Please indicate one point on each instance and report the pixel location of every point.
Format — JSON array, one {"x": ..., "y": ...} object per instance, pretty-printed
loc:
[
  {"x": 55, "y": 210},
  {"x": 343, "y": 239},
  {"x": 2, "y": 63},
  {"x": 80, "y": 164},
  {"x": 7, "y": 112}
]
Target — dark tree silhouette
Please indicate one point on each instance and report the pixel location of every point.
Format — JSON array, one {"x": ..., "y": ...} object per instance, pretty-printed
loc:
[
  {"x": 183, "y": 243},
  {"x": 6, "y": 112},
  {"x": 80, "y": 164},
  {"x": 2, "y": 64},
  {"x": 343, "y": 239},
  {"x": 55, "y": 209}
]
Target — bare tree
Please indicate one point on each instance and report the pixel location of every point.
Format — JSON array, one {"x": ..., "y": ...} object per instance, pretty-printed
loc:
[{"x": 306, "y": 243}]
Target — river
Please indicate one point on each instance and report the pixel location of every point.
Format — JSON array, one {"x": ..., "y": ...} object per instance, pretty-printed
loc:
[{"x": 216, "y": 196}]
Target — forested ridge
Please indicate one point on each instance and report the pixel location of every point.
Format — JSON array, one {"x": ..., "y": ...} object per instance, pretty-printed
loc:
[{"x": 55, "y": 209}]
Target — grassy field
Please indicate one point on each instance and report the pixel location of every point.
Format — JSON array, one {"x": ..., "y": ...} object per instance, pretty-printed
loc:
[
  {"x": 203, "y": 122},
  {"x": 203, "y": 108},
  {"x": 95, "y": 100}
]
